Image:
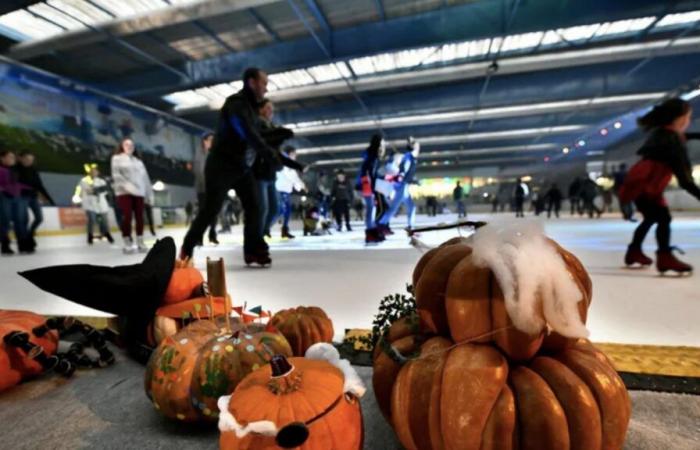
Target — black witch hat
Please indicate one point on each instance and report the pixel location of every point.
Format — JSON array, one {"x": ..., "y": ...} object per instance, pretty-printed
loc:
[{"x": 133, "y": 292}]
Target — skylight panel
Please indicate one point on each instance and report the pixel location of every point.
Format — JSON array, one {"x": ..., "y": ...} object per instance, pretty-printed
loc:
[
  {"x": 495, "y": 45},
  {"x": 186, "y": 99},
  {"x": 55, "y": 16},
  {"x": 362, "y": 66},
  {"x": 384, "y": 62},
  {"x": 624, "y": 26},
  {"x": 26, "y": 24},
  {"x": 329, "y": 72},
  {"x": 83, "y": 11},
  {"x": 122, "y": 8},
  {"x": 292, "y": 78},
  {"x": 521, "y": 41},
  {"x": 551, "y": 37},
  {"x": 678, "y": 19},
  {"x": 479, "y": 48},
  {"x": 578, "y": 33}
]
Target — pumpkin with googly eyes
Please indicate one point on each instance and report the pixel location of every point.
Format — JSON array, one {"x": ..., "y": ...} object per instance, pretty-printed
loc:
[
  {"x": 191, "y": 369},
  {"x": 309, "y": 403}
]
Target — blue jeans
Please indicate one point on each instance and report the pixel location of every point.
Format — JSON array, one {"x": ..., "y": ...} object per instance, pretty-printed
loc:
[
  {"x": 101, "y": 220},
  {"x": 285, "y": 207},
  {"x": 13, "y": 215},
  {"x": 34, "y": 205},
  {"x": 268, "y": 205},
  {"x": 401, "y": 196},
  {"x": 369, "y": 212}
]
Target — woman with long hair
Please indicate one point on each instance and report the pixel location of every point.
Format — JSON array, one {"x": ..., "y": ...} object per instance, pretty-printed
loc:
[
  {"x": 664, "y": 154},
  {"x": 366, "y": 182},
  {"x": 130, "y": 180}
]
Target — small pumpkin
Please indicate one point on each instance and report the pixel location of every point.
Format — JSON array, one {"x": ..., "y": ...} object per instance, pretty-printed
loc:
[
  {"x": 191, "y": 369},
  {"x": 307, "y": 403},
  {"x": 15, "y": 364},
  {"x": 184, "y": 282},
  {"x": 170, "y": 319},
  {"x": 303, "y": 326}
]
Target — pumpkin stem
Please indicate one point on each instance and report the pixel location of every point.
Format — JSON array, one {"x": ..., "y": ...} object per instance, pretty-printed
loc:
[{"x": 280, "y": 366}]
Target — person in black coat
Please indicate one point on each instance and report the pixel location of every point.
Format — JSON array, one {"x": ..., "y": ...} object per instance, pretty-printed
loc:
[
  {"x": 664, "y": 155},
  {"x": 575, "y": 196},
  {"x": 237, "y": 146},
  {"x": 553, "y": 198},
  {"x": 519, "y": 197},
  {"x": 341, "y": 198},
  {"x": 30, "y": 178},
  {"x": 588, "y": 193}
]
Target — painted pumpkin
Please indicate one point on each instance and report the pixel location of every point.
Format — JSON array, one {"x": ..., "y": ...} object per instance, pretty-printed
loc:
[
  {"x": 169, "y": 319},
  {"x": 468, "y": 397},
  {"x": 15, "y": 364},
  {"x": 191, "y": 369},
  {"x": 299, "y": 403},
  {"x": 458, "y": 298},
  {"x": 303, "y": 327}
]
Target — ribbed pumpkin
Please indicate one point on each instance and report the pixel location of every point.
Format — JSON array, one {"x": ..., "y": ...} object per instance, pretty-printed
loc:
[
  {"x": 15, "y": 364},
  {"x": 469, "y": 397},
  {"x": 457, "y": 298},
  {"x": 307, "y": 405},
  {"x": 191, "y": 369},
  {"x": 303, "y": 327},
  {"x": 461, "y": 390}
]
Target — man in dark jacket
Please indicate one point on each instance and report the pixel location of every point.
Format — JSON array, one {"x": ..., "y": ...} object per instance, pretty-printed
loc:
[
  {"x": 341, "y": 197},
  {"x": 458, "y": 197},
  {"x": 30, "y": 178},
  {"x": 237, "y": 145}
]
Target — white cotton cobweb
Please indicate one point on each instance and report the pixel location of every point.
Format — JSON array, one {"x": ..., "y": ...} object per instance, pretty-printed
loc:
[{"x": 537, "y": 287}]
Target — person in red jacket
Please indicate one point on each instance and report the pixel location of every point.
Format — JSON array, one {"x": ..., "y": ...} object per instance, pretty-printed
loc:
[{"x": 664, "y": 154}]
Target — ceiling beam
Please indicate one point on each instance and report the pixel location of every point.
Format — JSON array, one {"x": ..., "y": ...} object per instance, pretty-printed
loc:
[
  {"x": 475, "y": 70},
  {"x": 451, "y": 139},
  {"x": 319, "y": 16},
  {"x": 445, "y": 25},
  {"x": 497, "y": 112},
  {"x": 149, "y": 21},
  {"x": 268, "y": 29}
]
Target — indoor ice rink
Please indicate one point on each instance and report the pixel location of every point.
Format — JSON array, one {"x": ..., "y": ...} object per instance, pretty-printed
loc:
[{"x": 344, "y": 225}]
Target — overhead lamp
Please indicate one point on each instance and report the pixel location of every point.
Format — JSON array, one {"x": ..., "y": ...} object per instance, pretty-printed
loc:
[
  {"x": 158, "y": 186},
  {"x": 565, "y": 150},
  {"x": 617, "y": 125},
  {"x": 581, "y": 143},
  {"x": 603, "y": 131}
]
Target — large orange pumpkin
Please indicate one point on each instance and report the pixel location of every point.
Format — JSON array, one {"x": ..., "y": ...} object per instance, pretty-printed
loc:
[
  {"x": 297, "y": 403},
  {"x": 191, "y": 369},
  {"x": 303, "y": 327},
  {"x": 468, "y": 396},
  {"x": 458, "y": 298},
  {"x": 483, "y": 384},
  {"x": 15, "y": 364}
]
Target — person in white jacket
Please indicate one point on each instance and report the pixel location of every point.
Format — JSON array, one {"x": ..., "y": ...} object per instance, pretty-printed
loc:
[
  {"x": 130, "y": 187},
  {"x": 92, "y": 193},
  {"x": 288, "y": 181}
]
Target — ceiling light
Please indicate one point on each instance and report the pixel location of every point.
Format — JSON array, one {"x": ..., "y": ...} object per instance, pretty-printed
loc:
[
  {"x": 581, "y": 143},
  {"x": 617, "y": 125},
  {"x": 565, "y": 150},
  {"x": 603, "y": 131}
]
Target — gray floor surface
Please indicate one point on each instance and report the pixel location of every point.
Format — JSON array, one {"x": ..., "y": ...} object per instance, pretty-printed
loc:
[{"x": 107, "y": 409}]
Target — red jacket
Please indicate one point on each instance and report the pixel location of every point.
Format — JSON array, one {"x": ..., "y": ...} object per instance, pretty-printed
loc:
[{"x": 664, "y": 154}]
